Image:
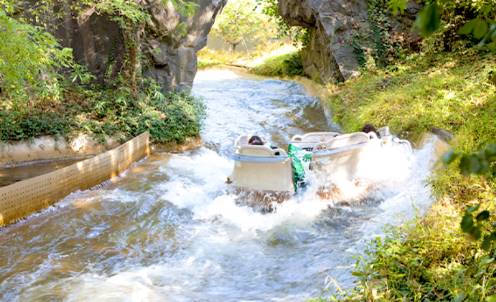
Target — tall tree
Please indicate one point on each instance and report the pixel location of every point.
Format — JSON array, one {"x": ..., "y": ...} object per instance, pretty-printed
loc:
[{"x": 238, "y": 22}]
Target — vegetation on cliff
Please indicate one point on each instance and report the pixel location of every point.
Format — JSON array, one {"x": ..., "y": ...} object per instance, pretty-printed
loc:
[
  {"x": 43, "y": 91},
  {"x": 266, "y": 42},
  {"x": 450, "y": 254},
  {"x": 430, "y": 258}
]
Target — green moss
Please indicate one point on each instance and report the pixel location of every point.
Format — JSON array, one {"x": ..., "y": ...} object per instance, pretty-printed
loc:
[{"x": 429, "y": 259}]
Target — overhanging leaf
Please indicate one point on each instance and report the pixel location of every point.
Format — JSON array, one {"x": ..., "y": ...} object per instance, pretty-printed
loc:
[
  {"x": 467, "y": 223},
  {"x": 429, "y": 19},
  {"x": 467, "y": 28},
  {"x": 480, "y": 28},
  {"x": 484, "y": 215},
  {"x": 470, "y": 164}
]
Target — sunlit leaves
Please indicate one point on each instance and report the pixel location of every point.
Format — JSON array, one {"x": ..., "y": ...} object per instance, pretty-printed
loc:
[
  {"x": 477, "y": 227},
  {"x": 429, "y": 19},
  {"x": 397, "y": 6},
  {"x": 184, "y": 7},
  {"x": 29, "y": 60},
  {"x": 481, "y": 162},
  {"x": 240, "y": 22},
  {"x": 477, "y": 27},
  {"x": 299, "y": 35}
]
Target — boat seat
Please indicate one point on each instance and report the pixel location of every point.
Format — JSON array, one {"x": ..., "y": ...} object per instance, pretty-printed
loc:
[
  {"x": 346, "y": 140},
  {"x": 252, "y": 173},
  {"x": 309, "y": 140},
  {"x": 244, "y": 148},
  {"x": 252, "y": 150}
]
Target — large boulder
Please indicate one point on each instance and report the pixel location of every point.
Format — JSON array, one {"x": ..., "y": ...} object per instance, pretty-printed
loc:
[
  {"x": 166, "y": 45},
  {"x": 329, "y": 55}
]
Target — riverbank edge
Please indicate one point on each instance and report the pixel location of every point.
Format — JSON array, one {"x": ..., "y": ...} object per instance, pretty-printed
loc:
[
  {"x": 448, "y": 95},
  {"x": 24, "y": 198},
  {"x": 428, "y": 257},
  {"x": 52, "y": 149}
]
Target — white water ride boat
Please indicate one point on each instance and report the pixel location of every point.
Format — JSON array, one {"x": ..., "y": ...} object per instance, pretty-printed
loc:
[{"x": 263, "y": 168}]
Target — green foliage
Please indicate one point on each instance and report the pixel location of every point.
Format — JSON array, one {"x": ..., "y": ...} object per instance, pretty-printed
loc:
[
  {"x": 429, "y": 19},
  {"x": 43, "y": 92},
  {"x": 126, "y": 12},
  {"x": 239, "y": 22},
  {"x": 436, "y": 14},
  {"x": 281, "y": 66},
  {"x": 482, "y": 162},
  {"x": 358, "y": 51},
  {"x": 299, "y": 35},
  {"x": 448, "y": 91},
  {"x": 426, "y": 265},
  {"x": 170, "y": 117},
  {"x": 397, "y": 6},
  {"x": 29, "y": 60},
  {"x": 185, "y": 7},
  {"x": 384, "y": 50},
  {"x": 432, "y": 259}
]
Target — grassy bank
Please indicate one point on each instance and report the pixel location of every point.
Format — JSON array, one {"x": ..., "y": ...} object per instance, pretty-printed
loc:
[
  {"x": 280, "y": 65},
  {"x": 273, "y": 59},
  {"x": 429, "y": 259}
]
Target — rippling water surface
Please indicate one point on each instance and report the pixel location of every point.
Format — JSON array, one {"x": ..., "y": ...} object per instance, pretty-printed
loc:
[{"x": 169, "y": 230}]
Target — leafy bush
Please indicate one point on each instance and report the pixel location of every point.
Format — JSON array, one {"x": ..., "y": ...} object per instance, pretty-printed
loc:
[
  {"x": 29, "y": 60},
  {"x": 299, "y": 35},
  {"x": 170, "y": 117},
  {"x": 44, "y": 92}
]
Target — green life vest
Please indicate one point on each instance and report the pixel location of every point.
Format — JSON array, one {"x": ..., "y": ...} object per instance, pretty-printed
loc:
[{"x": 300, "y": 161}]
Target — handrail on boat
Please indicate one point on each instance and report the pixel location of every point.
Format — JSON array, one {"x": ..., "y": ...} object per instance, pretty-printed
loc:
[
  {"x": 327, "y": 152},
  {"x": 282, "y": 158}
]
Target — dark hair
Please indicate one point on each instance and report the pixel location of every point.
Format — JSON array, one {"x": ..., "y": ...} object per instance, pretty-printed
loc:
[
  {"x": 255, "y": 140},
  {"x": 369, "y": 128}
]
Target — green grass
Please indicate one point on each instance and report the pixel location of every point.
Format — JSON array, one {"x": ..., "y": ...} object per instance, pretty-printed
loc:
[
  {"x": 429, "y": 259},
  {"x": 209, "y": 58},
  {"x": 289, "y": 64}
]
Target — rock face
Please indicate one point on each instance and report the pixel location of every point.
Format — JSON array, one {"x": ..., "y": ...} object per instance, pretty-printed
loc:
[
  {"x": 171, "y": 41},
  {"x": 330, "y": 54},
  {"x": 166, "y": 45}
]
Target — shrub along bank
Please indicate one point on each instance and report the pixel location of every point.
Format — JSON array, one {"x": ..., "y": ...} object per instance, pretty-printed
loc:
[
  {"x": 44, "y": 92},
  {"x": 430, "y": 258},
  {"x": 118, "y": 113}
]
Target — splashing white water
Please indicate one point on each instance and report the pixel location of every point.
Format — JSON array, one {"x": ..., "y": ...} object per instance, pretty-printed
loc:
[{"x": 173, "y": 231}]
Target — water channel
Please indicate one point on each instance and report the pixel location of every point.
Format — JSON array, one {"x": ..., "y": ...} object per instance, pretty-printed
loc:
[{"x": 170, "y": 230}]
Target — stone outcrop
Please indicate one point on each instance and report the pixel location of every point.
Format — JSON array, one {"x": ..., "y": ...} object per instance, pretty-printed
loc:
[
  {"x": 329, "y": 55},
  {"x": 166, "y": 45},
  {"x": 171, "y": 41}
]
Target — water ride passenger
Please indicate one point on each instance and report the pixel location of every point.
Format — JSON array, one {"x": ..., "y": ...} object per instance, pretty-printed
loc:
[
  {"x": 255, "y": 140},
  {"x": 367, "y": 128}
]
